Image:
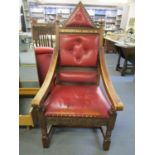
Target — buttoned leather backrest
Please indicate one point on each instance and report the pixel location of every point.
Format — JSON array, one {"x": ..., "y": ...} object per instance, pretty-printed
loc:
[{"x": 78, "y": 50}]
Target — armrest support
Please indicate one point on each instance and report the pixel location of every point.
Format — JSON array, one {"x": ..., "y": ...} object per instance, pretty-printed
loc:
[
  {"x": 43, "y": 91},
  {"x": 115, "y": 101}
]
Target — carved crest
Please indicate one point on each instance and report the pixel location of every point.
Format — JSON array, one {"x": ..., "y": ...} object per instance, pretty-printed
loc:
[{"x": 79, "y": 18}]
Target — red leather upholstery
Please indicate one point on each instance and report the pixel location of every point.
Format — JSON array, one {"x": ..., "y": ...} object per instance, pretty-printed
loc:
[
  {"x": 78, "y": 76},
  {"x": 43, "y": 50},
  {"x": 78, "y": 50},
  {"x": 43, "y": 58},
  {"x": 79, "y": 18},
  {"x": 77, "y": 101}
]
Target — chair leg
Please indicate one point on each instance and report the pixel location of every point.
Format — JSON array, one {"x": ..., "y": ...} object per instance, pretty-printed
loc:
[
  {"x": 107, "y": 140},
  {"x": 110, "y": 127},
  {"x": 45, "y": 136}
]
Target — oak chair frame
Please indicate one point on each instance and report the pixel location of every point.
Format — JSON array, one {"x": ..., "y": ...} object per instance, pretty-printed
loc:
[{"x": 39, "y": 99}]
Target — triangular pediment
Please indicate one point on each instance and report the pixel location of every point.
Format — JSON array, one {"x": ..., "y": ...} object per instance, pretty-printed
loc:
[{"x": 79, "y": 18}]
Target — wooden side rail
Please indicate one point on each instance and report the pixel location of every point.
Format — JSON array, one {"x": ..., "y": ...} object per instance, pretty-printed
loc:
[
  {"x": 115, "y": 101},
  {"x": 28, "y": 91},
  {"x": 42, "y": 93}
]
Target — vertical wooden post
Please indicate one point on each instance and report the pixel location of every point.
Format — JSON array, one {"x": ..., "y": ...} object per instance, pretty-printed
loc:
[
  {"x": 101, "y": 34},
  {"x": 57, "y": 33},
  {"x": 110, "y": 127},
  {"x": 100, "y": 45},
  {"x": 43, "y": 126}
]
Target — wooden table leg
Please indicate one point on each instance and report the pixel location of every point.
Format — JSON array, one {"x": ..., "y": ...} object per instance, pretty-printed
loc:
[
  {"x": 118, "y": 62},
  {"x": 124, "y": 68}
]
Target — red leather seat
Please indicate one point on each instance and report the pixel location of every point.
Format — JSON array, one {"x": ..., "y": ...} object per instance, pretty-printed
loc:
[{"x": 77, "y": 101}]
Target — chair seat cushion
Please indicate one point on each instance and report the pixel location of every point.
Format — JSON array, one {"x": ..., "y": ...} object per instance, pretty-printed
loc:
[{"x": 77, "y": 101}]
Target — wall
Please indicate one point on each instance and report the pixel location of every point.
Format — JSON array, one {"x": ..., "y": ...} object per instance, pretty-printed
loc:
[
  {"x": 132, "y": 10},
  {"x": 128, "y": 6},
  {"x": 128, "y": 12},
  {"x": 131, "y": 13}
]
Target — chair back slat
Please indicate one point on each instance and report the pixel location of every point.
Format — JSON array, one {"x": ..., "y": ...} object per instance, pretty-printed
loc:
[{"x": 42, "y": 34}]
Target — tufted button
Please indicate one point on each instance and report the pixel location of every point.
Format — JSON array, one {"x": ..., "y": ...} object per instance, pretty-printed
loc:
[
  {"x": 78, "y": 40},
  {"x": 70, "y": 50},
  {"x": 86, "y": 51},
  {"x": 78, "y": 59}
]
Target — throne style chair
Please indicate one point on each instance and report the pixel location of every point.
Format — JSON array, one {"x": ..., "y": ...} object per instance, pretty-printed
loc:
[{"x": 70, "y": 94}]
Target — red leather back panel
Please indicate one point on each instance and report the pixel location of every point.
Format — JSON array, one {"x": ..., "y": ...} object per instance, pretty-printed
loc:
[
  {"x": 78, "y": 50},
  {"x": 78, "y": 76},
  {"x": 43, "y": 58}
]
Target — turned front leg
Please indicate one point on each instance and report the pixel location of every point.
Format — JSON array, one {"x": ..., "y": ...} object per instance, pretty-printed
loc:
[
  {"x": 107, "y": 136},
  {"x": 43, "y": 126}
]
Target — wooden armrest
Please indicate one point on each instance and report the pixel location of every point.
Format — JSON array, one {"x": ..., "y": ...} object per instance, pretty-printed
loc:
[
  {"x": 115, "y": 101},
  {"x": 43, "y": 91}
]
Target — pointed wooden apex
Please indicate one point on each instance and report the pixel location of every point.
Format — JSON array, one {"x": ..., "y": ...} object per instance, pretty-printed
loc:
[{"x": 79, "y": 18}]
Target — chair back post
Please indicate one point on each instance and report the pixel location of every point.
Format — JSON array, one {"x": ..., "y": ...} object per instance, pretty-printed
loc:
[
  {"x": 101, "y": 31},
  {"x": 101, "y": 34},
  {"x": 57, "y": 23}
]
